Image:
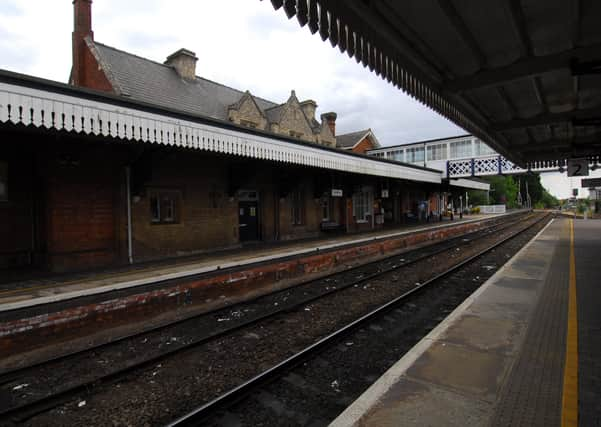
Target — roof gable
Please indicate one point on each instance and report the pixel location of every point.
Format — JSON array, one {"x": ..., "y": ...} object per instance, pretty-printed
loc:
[
  {"x": 292, "y": 116},
  {"x": 348, "y": 141},
  {"x": 248, "y": 104}
]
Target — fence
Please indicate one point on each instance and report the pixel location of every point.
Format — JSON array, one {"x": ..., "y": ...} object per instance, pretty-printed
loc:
[{"x": 492, "y": 209}]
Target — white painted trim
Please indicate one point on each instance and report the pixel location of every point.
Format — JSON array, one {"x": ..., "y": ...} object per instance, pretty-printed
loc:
[
  {"x": 42, "y": 108},
  {"x": 469, "y": 183}
]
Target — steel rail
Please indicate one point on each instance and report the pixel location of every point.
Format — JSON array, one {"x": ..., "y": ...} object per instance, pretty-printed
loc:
[
  {"x": 204, "y": 412},
  {"x": 12, "y": 375},
  {"x": 45, "y": 403}
]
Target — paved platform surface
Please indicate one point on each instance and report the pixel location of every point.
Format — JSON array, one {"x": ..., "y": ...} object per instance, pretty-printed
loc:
[
  {"x": 499, "y": 358},
  {"x": 588, "y": 286},
  {"x": 40, "y": 290}
]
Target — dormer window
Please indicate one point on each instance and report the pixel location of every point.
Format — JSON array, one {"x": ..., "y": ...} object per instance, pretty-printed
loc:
[{"x": 294, "y": 134}]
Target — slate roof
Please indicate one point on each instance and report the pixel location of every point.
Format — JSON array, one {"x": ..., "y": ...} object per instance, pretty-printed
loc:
[
  {"x": 274, "y": 114},
  {"x": 349, "y": 140},
  {"x": 148, "y": 81}
]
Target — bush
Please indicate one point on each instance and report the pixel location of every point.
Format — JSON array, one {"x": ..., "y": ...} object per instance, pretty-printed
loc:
[
  {"x": 539, "y": 205},
  {"x": 475, "y": 210}
]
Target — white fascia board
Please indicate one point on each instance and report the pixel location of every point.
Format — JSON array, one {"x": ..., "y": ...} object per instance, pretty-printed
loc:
[
  {"x": 469, "y": 183},
  {"x": 51, "y": 110}
]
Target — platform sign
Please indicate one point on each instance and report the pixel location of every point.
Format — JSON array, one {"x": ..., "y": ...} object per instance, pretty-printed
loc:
[
  {"x": 577, "y": 167},
  {"x": 590, "y": 182},
  {"x": 336, "y": 192},
  {"x": 384, "y": 194}
]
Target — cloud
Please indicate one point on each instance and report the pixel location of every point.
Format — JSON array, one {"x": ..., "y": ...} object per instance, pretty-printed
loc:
[
  {"x": 10, "y": 8},
  {"x": 241, "y": 43}
]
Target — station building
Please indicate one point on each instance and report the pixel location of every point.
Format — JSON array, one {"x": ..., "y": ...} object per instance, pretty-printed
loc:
[{"x": 136, "y": 161}]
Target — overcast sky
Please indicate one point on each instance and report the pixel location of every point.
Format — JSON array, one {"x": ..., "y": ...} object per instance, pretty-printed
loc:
[{"x": 241, "y": 43}]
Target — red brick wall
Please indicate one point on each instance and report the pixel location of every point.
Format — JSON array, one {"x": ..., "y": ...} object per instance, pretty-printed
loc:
[
  {"x": 365, "y": 144},
  {"x": 85, "y": 71},
  {"x": 93, "y": 76},
  {"x": 16, "y": 240},
  {"x": 82, "y": 195}
]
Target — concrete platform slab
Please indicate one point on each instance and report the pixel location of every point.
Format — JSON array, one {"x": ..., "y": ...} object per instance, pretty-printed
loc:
[
  {"x": 460, "y": 368},
  {"x": 409, "y": 402}
]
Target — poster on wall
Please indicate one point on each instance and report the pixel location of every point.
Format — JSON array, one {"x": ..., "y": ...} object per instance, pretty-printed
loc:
[{"x": 3, "y": 181}]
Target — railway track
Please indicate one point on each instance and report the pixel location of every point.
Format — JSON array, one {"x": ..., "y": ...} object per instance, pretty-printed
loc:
[
  {"x": 24, "y": 409},
  {"x": 207, "y": 413}
]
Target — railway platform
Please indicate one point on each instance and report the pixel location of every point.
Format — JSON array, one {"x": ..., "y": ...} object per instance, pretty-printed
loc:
[
  {"x": 48, "y": 316},
  {"x": 42, "y": 289},
  {"x": 523, "y": 350}
]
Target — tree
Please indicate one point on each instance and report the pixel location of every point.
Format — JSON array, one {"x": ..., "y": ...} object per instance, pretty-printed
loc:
[
  {"x": 477, "y": 197},
  {"x": 504, "y": 190}
]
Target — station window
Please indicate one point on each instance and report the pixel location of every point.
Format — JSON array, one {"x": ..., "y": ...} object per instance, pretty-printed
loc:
[
  {"x": 481, "y": 149},
  {"x": 294, "y": 134},
  {"x": 437, "y": 152},
  {"x": 461, "y": 149},
  {"x": 361, "y": 205},
  {"x": 165, "y": 206},
  {"x": 415, "y": 154},
  {"x": 3, "y": 181},
  {"x": 297, "y": 207}
]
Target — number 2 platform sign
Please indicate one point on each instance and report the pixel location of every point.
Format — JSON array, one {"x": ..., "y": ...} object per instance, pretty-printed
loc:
[{"x": 577, "y": 167}]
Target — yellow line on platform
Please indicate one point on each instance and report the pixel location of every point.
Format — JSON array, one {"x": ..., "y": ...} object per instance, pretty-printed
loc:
[{"x": 569, "y": 404}]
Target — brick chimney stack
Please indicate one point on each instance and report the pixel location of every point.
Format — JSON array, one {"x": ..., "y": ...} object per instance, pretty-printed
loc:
[
  {"x": 330, "y": 119},
  {"x": 82, "y": 28}
]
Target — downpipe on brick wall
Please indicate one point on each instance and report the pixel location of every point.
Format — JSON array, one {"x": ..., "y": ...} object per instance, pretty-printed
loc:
[{"x": 130, "y": 250}]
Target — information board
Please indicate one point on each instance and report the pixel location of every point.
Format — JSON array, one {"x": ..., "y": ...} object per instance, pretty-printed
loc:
[{"x": 590, "y": 182}]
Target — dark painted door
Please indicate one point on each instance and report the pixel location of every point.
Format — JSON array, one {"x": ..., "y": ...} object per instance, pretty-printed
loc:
[{"x": 248, "y": 221}]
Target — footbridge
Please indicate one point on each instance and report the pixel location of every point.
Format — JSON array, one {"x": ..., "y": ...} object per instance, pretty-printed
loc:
[
  {"x": 499, "y": 165},
  {"x": 467, "y": 156}
]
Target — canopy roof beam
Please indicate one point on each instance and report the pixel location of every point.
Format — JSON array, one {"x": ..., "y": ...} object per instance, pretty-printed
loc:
[
  {"x": 524, "y": 68},
  {"x": 557, "y": 143},
  {"x": 546, "y": 118}
]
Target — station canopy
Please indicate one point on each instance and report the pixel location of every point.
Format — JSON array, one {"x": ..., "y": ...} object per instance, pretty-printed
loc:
[{"x": 522, "y": 75}]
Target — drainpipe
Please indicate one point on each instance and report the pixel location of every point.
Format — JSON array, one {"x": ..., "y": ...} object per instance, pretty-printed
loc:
[
  {"x": 346, "y": 219},
  {"x": 130, "y": 250},
  {"x": 276, "y": 213},
  {"x": 372, "y": 201}
]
